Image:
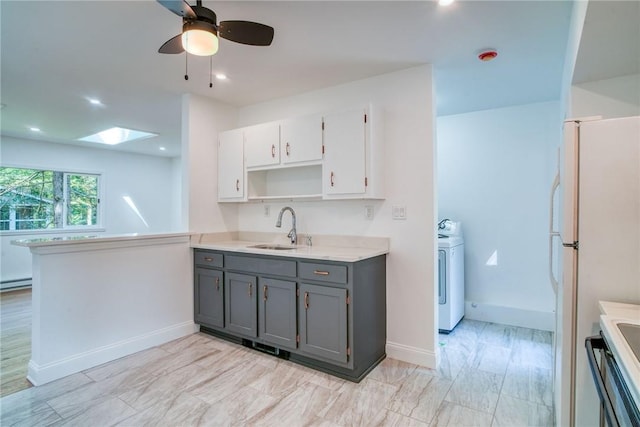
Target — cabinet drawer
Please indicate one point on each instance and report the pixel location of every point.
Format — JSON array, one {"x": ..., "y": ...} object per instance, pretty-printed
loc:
[
  {"x": 323, "y": 272},
  {"x": 211, "y": 259},
  {"x": 276, "y": 267}
]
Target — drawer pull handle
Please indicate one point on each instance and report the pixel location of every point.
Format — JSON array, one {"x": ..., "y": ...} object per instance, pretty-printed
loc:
[
  {"x": 306, "y": 300},
  {"x": 250, "y": 290},
  {"x": 237, "y": 185},
  {"x": 217, "y": 284},
  {"x": 320, "y": 273},
  {"x": 208, "y": 259},
  {"x": 331, "y": 179},
  {"x": 288, "y": 149},
  {"x": 264, "y": 292}
]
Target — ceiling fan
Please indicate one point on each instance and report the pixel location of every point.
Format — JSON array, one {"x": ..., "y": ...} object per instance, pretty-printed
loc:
[{"x": 200, "y": 30}]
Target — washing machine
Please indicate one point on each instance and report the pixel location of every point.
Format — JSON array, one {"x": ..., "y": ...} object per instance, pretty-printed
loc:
[{"x": 450, "y": 279}]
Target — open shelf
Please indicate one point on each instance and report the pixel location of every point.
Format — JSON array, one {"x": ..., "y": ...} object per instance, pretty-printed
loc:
[{"x": 300, "y": 182}]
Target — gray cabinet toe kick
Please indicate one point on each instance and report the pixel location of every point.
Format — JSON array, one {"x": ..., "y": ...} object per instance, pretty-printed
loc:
[{"x": 327, "y": 315}]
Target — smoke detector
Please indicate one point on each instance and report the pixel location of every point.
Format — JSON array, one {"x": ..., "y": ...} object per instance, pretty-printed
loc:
[{"x": 487, "y": 55}]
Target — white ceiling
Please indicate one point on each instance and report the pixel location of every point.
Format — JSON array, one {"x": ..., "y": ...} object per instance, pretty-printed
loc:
[{"x": 56, "y": 54}]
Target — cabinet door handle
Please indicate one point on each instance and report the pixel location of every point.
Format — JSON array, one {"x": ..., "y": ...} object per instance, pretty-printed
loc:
[
  {"x": 273, "y": 150},
  {"x": 237, "y": 185},
  {"x": 250, "y": 290},
  {"x": 288, "y": 149},
  {"x": 332, "y": 174},
  {"x": 217, "y": 284},
  {"x": 208, "y": 259},
  {"x": 306, "y": 300},
  {"x": 264, "y": 292},
  {"x": 320, "y": 272}
]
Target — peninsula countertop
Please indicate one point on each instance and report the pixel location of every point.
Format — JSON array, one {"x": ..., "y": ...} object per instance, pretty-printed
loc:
[{"x": 331, "y": 248}]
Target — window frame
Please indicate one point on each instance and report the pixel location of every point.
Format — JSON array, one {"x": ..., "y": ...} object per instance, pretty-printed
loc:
[{"x": 66, "y": 228}]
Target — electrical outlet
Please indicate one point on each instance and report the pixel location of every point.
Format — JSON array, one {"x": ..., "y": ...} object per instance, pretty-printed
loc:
[
  {"x": 368, "y": 212},
  {"x": 399, "y": 212},
  {"x": 267, "y": 210}
]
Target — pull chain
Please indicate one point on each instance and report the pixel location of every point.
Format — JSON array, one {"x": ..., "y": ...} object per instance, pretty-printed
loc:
[
  {"x": 210, "y": 70},
  {"x": 186, "y": 64}
]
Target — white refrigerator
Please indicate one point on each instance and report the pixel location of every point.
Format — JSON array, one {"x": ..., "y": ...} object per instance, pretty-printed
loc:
[{"x": 595, "y": 239}]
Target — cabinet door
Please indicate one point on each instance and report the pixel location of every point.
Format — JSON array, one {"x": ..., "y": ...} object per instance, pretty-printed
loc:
[
  {"x": 240, "y": 304},
  {"x": 230, "y": 165},
  {"x": 301, "y": 139},
  {"x": 277, "y": 312},
  {"x": 344, "y": 153},
  {"x": 209, "y": 302},
  {"x": 262, "y": 144},
  {"x": 323, "y": 322}
]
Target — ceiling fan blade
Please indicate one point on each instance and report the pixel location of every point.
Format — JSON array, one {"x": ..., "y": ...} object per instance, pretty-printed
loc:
[
  {"x": 246, "y": 32},
  {"x": 173, "y": 45},
  {"x": 179, "y": 7}
]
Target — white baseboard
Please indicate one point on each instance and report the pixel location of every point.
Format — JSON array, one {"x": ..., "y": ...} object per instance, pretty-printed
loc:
[
  {"x": 42, "y": 374},
  {"x": 417, "y": 356},
  {"x": 510, "y": 316}
]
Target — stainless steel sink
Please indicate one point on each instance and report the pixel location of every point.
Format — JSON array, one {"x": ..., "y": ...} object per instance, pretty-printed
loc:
[
  {"x": 274, "y": 247},
  {"x": 631, "y": 333}
]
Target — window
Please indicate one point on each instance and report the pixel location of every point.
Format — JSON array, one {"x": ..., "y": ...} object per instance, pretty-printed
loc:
[{"x": 32, "y": 199}]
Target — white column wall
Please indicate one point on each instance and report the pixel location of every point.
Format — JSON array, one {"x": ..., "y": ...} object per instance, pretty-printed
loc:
[{"x": 202, "y": 120}]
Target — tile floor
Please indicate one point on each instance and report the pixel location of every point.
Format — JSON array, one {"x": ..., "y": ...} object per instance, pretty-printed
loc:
[{"x": 490, "y": 375}]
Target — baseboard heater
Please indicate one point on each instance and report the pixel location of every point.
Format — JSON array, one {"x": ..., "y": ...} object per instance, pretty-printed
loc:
[{"x": 15, "y": 283}]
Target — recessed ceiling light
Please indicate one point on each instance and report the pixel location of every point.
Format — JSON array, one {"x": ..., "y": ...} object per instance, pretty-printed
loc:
[
  {"x": 117, "y": 135},
  {"x": 445, "y": 2},
  {"x": 221, "y": 76},
  {"x": 162, "y": 149},
  {"x": 34, "y": 129},
  {"x": 94, "y": 101}
]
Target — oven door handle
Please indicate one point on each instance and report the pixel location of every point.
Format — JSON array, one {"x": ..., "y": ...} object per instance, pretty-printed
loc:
[{"x": 592, "y": 344}]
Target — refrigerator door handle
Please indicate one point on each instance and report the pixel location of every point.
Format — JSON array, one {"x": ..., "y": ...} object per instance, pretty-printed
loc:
[{"x": 553, "y": 233}]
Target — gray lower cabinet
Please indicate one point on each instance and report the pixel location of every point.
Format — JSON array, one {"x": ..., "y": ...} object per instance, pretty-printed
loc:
[
  {"x": 327, "y": 315},
  {"x": 323, "y": 322},
  {"x": 277, "y": 312},
  {"x": 209, "y": 300},
  {"x": 241, "y": 304}
]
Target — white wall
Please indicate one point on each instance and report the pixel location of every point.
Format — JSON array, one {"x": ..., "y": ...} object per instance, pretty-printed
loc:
[
  {"x": 406, "y": 99},
  {"x": 617, "y": 97},
  {"x": 202, "y": 120},
  {"x": 148, "y": 180},
  {"x": 495, "y": 169}
]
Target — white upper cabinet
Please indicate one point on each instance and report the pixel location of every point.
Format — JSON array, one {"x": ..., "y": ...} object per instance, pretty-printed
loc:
[
  {"x": 301, "y": 139},
  {"x": 353, "y": 155},
  {"x": 262, "y": 145},
  {"x": 344, "y": 153},
  {"x": 231, "y": 166},
  {"x": 332, "y": 156}
]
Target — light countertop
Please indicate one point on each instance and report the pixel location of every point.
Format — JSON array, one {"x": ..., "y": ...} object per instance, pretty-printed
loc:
[
  {"x": 324, "y": 247},
  {"x": 612, "y": 314},
  {"x": 83, "y": 239},
  {"x": 330, "y": 248}
]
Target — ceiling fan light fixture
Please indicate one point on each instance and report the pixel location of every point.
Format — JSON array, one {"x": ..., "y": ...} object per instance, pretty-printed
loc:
[{"x": 199, "y": 39}]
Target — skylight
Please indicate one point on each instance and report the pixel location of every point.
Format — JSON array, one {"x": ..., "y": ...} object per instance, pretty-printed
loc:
[{"x": 117, "y": 135}]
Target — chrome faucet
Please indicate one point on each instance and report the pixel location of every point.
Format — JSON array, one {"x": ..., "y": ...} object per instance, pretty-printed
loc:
[{"x": 293, "y": 235}]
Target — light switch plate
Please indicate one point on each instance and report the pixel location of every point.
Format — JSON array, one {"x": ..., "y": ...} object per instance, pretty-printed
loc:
[{"x": 399, "y": 212}]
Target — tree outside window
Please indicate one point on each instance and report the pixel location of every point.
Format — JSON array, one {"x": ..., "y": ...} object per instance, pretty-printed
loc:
[{"x": 33, "y": 199}]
